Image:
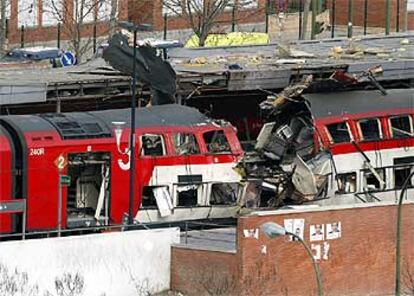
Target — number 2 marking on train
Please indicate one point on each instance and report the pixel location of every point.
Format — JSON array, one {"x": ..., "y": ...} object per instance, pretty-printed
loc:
[{"x": 37, "y": 151}]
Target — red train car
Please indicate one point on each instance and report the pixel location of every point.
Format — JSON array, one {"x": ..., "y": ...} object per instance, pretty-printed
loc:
[
  {"x": 184, "y": 164},
  {"x": 6, "y": 172}
]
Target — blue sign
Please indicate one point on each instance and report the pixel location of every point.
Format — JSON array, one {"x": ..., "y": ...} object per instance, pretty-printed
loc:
[{"x": 68, "y": 59}]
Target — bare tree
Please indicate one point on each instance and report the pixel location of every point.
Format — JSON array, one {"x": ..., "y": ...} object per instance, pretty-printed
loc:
[
  {"x": 80, "y": 16},
  {"x": 201, "y": 15},
  {"x": 4, "y": 7},
  {"x": 113, "y": 18}
]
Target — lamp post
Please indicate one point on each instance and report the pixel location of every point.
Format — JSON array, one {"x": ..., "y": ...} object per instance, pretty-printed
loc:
[
  {"x": 273, "y": 230},
  {"x": 133, "y": 28},
  {"x": 398, "y": 243}
]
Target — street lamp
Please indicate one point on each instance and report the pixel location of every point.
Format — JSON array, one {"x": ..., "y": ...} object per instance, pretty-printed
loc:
[
  {"x": 272, "y": 230},
  {"x": 398, "y": 244},
  {"x": 133, "y": 28}
]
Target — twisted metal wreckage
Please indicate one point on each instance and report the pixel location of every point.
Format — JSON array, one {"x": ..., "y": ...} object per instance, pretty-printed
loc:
[
  {"x": 320, "y": 146},
  {"x": 343, "y": 136}
]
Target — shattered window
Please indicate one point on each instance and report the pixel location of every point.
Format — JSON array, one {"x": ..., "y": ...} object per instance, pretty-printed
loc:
[
  {"x": 401, "y": 127},
  {"x": 152, "y": 145},
  {"x": 400, "y": 176},
  {"x": 339, "y": 132},
  {"x": 148, "y": 198},
  {"x": 216, "y": 142},
  {"x": 187, "y": 195},
  {"x": 370, "y": 129},
  {"x": 224, "y": 194},
  {"x": 185, "y": 143},
  {"x": 374, "y": 182},
  {"x": 347, "y": 183}
]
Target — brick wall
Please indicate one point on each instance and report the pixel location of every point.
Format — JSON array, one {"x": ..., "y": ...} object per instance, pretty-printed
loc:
[
  {"x": 43, "y": 33},
  {"x": 360, "y": 262},
  {"x": 219, "y": 272},
  {"x": 376, "y": 13},
  {"x": 153, "y": 14}
]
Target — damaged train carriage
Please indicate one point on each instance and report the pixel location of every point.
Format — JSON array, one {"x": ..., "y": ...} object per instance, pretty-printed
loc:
[
  {"x": 77, "y": 164},
  {"x": 333, "y": 148}
]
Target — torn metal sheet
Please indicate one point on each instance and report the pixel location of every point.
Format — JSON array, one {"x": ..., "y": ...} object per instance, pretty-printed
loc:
[
  {"x": 164, "y": 201},
  {"x": 289, "y": 160},
  {"x": 150, "y": 68}
]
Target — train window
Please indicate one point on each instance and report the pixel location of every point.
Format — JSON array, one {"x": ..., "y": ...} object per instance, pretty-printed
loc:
[
  {"x": 216, "y": 142},
  {"x": 347, "y": 183},
  {"x": 224, "y": 193},
  {"x": 148, "y": 198},
  {"x": 374, "y": 182},
  {"x": 401, "y": 127},
  {"x": 152, "y": 145},
  {"x": 339, "y": 132},
  {"x": 400, "y": 176},
  {"x": 187, "y": 195},
  {"x": 370, "y": 129},
  {"x": 157, "y": 197},
  {"x": 185, "y": 143}
]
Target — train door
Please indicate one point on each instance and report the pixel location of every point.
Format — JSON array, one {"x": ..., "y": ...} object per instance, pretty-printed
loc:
[{"x": 88, "y": 196}]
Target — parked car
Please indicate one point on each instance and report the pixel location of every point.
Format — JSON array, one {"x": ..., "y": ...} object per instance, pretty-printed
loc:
[{"x": 32, "y": 54}]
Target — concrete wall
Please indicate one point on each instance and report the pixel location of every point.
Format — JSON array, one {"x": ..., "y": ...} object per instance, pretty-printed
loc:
[
  {"x": 359, "y": 262},
  {"x": 112, "y": 263}
]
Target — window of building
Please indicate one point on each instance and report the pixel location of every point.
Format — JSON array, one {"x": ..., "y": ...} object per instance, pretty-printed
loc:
[
  {"x": 104, "y": 10},
  {"x": 27, "y": 13},
  {"x": 216, "y": 142},
  {"x": 84, "y": 11},
  {"x": 401, "y": 126},
  {"x": 339, "y": 132},
  {"x": 174, "y": 8},
  {"x": 185, "y": 144},
  {"x": 347, "y": 183},
  {"x": 370, "y": 129},
  {"x": 400, "y": 176},
  {"x": 152, "y": 145},
  {"x": 52, "y": 12},
  {"x": 374, "y": 182},
  {"x": 410, "y": 5}
]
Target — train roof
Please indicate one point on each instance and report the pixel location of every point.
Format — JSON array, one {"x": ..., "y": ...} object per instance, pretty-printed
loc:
[
  {"x": 162, "y": 115},
  {"x": 98, "y": 124},
  {"x": 350, "y": 102}
]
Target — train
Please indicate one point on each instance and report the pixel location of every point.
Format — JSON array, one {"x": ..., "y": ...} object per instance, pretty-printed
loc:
[
  {"x": 335, "y": 148},
  {"x": 72, "y": 169}
]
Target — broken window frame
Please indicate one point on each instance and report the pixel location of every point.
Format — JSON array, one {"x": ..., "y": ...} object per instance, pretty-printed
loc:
[
  {"x": 382, "y": 174},
  {"x": 201, "y": 194},
  {"x": 400, "y": 184},
  {"x": 208, "y": 144},
  {"x": 194, "y": 144},
  {"x": 343, "y": 182},
  {"x": 411, "y": 131},
  {"x": 361, "y": 133},
  {"x": 236, "y": 193},
  {"x": 331, "y": 138},
  {"x": 142, "y": 151}
]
